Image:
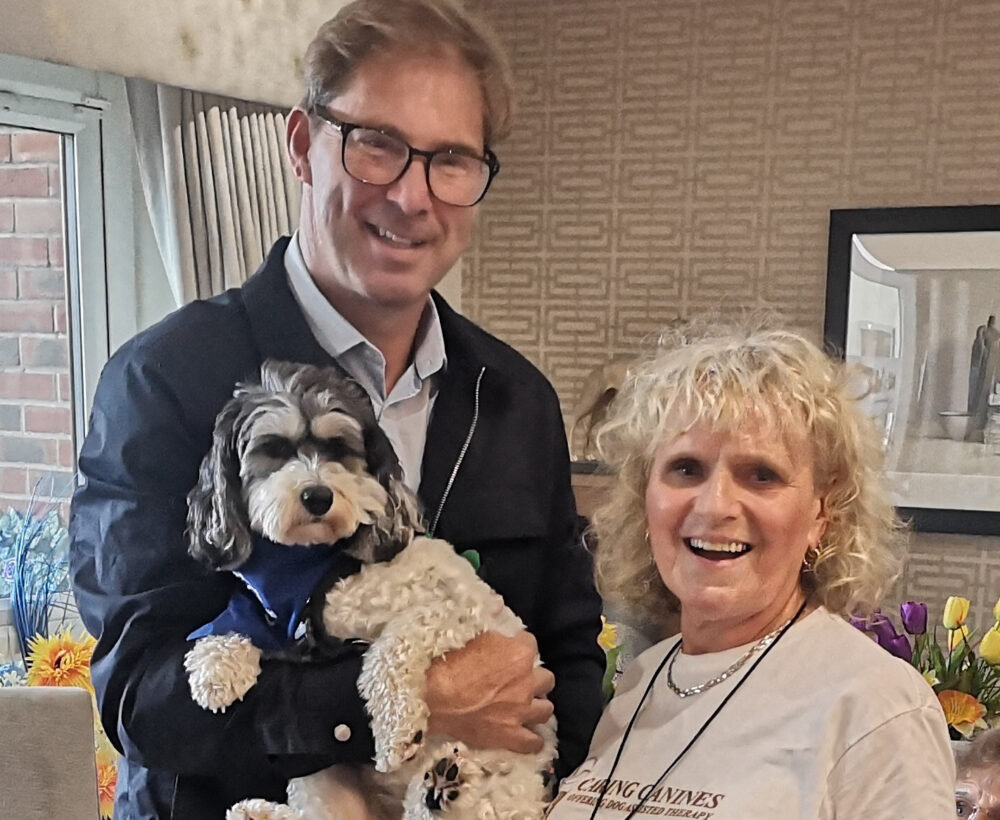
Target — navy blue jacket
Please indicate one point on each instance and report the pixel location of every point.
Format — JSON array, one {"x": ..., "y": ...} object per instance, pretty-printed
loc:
[{"x": 141, "y": 594}]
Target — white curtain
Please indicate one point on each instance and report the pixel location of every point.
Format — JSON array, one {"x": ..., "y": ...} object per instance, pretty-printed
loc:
[{"x": 216, "y": 182}]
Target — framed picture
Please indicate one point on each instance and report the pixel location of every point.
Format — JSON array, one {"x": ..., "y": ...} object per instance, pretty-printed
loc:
[{"x": 913, "y": 300}]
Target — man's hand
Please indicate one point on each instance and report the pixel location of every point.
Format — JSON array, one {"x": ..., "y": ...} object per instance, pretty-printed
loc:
[{"x": 488, "y": 692}]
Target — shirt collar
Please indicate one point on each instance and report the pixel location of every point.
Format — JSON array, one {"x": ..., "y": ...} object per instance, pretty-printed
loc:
[
  {"x": 337, "y": 336},
  {"x": 429, "y": 356}
]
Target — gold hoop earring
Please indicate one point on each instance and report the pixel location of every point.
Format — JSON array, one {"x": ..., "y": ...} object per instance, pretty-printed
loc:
[{"x": 809, "y": 560}]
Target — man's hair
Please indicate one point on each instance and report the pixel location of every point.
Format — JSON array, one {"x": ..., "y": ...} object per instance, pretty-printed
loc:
[
  {"x": 366, "y": 27},
  {"x": 981, "y": 753},
  {"x": 728, "y": 380}
]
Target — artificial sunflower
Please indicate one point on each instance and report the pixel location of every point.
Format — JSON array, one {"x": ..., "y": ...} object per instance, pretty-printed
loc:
[
  {"x": 62, "y": 660},
  {"x": 107, "y": 777},
  {"x": 962, "y": 711}
]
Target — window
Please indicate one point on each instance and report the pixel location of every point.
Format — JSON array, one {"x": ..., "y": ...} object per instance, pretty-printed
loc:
[{"x": 67, "y": 288}]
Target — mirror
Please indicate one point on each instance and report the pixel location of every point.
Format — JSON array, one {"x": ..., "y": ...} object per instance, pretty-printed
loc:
[{"x": 912, "y": 299}]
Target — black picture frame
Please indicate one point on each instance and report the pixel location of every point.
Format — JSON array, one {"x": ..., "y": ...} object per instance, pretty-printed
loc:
[{"x": 844, "y": 225}]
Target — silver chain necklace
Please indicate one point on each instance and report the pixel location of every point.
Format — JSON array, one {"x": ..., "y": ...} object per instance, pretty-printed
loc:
[
  {"x": 762, "y": 644},
  {"x": 772, "y": 641}
]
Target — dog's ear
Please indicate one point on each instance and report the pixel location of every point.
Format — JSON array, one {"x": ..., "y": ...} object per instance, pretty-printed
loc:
[
  {"x": 395, "y": 526},
  {"x": 381, "y": 458},
  {"x": 403, "y": 511},
  {"x": 218, "y": 527}
]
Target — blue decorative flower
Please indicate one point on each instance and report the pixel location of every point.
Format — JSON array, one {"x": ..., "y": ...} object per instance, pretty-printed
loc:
[
  {"x": 12, "y": 674},
  {"x": 6, "y": 575},
  {"x": 34, "y": 567}
]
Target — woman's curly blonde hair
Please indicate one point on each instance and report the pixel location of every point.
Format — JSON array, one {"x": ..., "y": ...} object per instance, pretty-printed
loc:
[{"x": 724, "y": 379}]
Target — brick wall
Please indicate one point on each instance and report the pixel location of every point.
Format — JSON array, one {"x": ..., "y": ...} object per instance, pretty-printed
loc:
[{"x": 36, "y": 423}]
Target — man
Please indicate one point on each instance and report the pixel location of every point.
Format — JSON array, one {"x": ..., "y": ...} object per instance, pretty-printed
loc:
[
  {"x": 977, "y": 782},
  {"x": 391, "y": 145}
]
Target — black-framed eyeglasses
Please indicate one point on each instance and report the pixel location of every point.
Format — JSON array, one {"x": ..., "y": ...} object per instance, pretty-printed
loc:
[{"x": 369, "y": 155}]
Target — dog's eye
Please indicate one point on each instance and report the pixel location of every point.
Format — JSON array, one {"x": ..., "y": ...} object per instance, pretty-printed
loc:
[
  {"x": 276, "y": 447},
  {"x": 335, "y": 449}
]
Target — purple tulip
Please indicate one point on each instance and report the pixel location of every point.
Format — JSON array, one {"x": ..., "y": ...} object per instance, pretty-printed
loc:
[
  {"x": 914, "y": 617},
  {"x": 884, "y": 631},
  {"x": 900, "y": 647}
]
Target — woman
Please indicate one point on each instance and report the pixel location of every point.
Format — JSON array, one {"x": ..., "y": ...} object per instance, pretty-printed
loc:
[{"x": 748, "y": 495}]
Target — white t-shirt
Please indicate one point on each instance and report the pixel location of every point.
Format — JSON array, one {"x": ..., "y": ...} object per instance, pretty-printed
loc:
[{"x": 828, "y": 726}]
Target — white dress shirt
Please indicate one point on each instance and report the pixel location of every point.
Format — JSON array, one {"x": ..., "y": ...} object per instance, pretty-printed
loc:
[{"x": 405, "y": 412}]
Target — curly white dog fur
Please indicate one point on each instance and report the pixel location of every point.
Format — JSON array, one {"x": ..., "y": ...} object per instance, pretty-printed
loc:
[
  {"x": 301, "y": 460},
  {"x": 221, "y": 670}
]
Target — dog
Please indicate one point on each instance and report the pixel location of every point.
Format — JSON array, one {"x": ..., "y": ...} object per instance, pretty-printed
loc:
[{"x": 299, "y": 466}]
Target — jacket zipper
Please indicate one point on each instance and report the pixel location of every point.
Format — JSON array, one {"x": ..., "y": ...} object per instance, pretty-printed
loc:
[{"x": 461, "y": 457}]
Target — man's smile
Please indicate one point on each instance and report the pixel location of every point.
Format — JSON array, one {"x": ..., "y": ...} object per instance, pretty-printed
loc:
[{"x": 394, "y": 239}]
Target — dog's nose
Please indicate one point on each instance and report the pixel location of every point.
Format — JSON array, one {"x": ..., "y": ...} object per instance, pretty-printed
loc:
[{"x": 317, "y": 500}]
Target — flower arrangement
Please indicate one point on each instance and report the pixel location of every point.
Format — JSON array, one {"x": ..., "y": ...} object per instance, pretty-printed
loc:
[
  {"x": 34, "y": 567},
  {"x": 965, "y": 679}
]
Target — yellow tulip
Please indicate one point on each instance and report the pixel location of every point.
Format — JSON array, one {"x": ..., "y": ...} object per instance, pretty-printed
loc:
[
  {"x": 989, "y": 646},
  {"x": 996, "y": 611},
  {"x": 956, "y": 610},
  {"x": 608, "y": 639}
]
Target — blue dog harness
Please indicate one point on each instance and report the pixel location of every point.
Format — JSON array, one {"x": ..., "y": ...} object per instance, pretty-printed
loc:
[{"x": 277, "y": 583}]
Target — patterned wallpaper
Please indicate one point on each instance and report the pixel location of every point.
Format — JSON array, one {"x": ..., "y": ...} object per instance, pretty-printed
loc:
[
  {"x": 672, "y": 157},
  {"x": 676, "y": 157},
  {"x": 940, "y": 565}
]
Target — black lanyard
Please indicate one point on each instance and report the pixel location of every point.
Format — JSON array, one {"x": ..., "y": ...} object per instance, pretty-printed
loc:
[{"x": 704, "y": 726}]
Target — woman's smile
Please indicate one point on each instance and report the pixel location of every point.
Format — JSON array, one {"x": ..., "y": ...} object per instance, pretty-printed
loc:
[{"x": 717, "y": 550}]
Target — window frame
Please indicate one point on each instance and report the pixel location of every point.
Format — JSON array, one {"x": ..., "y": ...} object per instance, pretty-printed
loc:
[{"x": 91, "y": 109}]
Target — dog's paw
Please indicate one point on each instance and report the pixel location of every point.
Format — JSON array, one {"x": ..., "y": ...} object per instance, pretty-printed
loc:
[
  {"x": 221, "y": 670},
  {"x": 261, "y": 810},
  {"x": 443, "y": 782}
]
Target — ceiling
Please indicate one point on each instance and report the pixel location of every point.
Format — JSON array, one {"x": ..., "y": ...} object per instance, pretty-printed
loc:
[{"x": 249, "y": 49}]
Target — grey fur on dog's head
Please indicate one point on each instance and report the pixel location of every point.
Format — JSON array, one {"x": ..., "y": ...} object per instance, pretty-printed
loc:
[{"x": 305, "y": 427}]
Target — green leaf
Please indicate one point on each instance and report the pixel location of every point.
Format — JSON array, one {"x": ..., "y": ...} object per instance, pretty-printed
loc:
[
  {"x": 938, "y": 661},
  {"x": 472, "y": 556}
]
